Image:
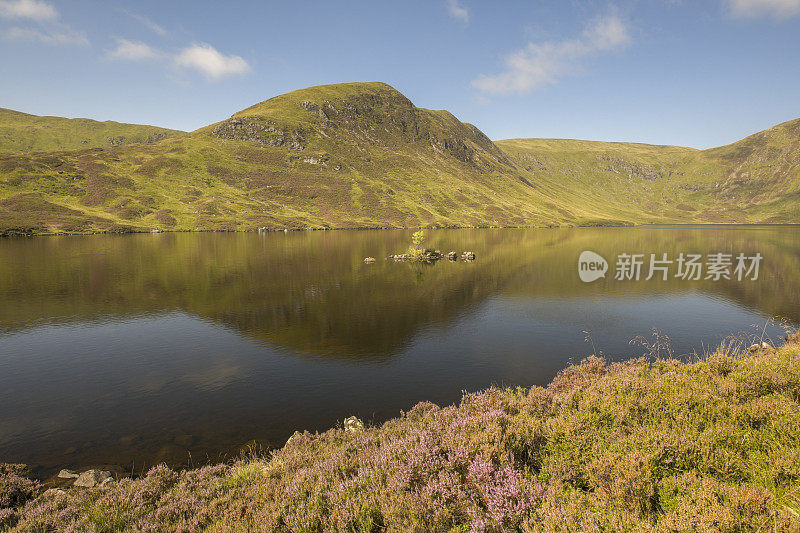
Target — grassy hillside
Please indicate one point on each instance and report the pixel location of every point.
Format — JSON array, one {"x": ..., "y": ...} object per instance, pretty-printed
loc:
[
  {"x": 647, "y": 445},
  {"x": 362, "y": 155},
  {"x": 756, "y": 179},
  {"x": 21, "y": 132},
  {"x": 351, "y": 155}
]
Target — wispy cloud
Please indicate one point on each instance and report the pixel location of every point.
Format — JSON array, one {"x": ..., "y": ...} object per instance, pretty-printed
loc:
[
  {"x": 540, "y": 64},
  {"x": 45, "y": 28},
  {"x": 53, "y": 37},
  {"x": 27, "y": 9},
  {"x": 132, "y": 51},
  {"x": 145, "y": 21},
  {"x": 457, "y": 11},
  {"x": 756, "y": 8},
  {"x": 210, "y": 62}
]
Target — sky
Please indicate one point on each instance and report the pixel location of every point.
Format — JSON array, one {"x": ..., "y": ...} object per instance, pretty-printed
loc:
[{"x": 697, "y": 73}]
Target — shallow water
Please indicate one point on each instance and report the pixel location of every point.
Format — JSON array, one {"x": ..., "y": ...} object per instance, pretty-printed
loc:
[{"x": 135, "y": 349}]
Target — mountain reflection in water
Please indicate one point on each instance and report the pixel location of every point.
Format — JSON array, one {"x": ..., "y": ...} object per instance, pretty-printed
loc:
[{"x": 134, "y": 349}]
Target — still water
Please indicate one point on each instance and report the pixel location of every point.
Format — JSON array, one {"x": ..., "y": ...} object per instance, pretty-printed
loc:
[{"x": 135, "y": 349}]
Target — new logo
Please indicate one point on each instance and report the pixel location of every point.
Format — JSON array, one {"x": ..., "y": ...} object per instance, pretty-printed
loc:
[{"x": 591, "y": 266}]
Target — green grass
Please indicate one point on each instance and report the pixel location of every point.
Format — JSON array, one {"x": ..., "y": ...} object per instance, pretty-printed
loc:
[
  {"x": 362, "y": 155},
  {"x": 21, "y": 132}
]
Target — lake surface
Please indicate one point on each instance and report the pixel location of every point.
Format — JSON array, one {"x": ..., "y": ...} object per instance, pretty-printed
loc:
[{"x": 134, "y": 349}]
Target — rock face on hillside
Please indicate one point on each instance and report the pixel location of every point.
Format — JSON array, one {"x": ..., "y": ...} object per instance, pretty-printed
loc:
[{"x": 249, "y": 129}]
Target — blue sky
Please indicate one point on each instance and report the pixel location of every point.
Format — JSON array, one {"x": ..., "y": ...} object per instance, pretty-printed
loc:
[{"x": 693, "y": 73}]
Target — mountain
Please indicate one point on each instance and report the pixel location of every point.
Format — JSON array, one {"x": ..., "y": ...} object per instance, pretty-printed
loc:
[
  {"x": 362, "y": 155},
  {"x": 756, "y": 179},
  {"x": 21, "y": 132}
]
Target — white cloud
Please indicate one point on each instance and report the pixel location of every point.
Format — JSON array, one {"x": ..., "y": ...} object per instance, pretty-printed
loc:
[
  {"x": 202, "y": 57},
  {"x": 457, "y": 11},
  {"x": 132, "y": 51},
  {"x": 540, "y": 64},
  {"x": 146, "y": 21},
  {"x": 27, "y": 9},
  {"x": 47, "y": 29},
  {"x": 210, "y": 62},
  {"x": 757, "y": 8},
  {"x": 53, "y": 37}
]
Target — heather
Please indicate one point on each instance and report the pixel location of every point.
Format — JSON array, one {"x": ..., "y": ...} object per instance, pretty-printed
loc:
[{"x": 650, "y": 444}]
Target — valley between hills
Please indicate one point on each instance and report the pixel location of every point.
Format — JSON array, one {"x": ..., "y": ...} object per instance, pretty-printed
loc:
[{"x": 361, "y": 155}]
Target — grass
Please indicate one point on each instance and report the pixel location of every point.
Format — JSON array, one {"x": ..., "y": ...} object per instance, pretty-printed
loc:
[
  {"x": 21, "y": 132},
  {"x": 362, "y": 155},
  {"x": 657, "y": 445},
  {"x": 753, "y": 180}
]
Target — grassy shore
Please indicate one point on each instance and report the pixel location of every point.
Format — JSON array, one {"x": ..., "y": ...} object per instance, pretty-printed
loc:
[{"x": 662, "y": 445}]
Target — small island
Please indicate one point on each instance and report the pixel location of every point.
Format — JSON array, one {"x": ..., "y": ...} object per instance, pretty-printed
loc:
[{"x": 417, "y": 252}]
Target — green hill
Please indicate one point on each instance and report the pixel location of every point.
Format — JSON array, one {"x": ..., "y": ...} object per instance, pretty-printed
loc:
[
  {"x": 362, "y": 155},
  {"x": 756, "y": 179},
  {"x": 21, "y": 132}
]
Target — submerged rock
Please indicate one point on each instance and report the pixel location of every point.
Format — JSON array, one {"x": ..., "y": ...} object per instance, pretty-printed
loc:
[
  {"x": 92, "y": 478},
  {"x": 184, "y": 440}
]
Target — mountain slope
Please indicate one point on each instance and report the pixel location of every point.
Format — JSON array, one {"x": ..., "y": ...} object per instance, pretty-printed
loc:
[
  {"x": 21, "y": 132},
  {"x": 764, "y": 169},
  {"x": 756, "y": 179},
  {"x": 362, "y": 155},
  {"x": 350, "y": 155}
]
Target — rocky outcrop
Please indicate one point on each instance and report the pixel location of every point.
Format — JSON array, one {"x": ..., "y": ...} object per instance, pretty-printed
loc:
[
  {"x": 155, "y": 137},
  {"x": 313, "y": 108},
  {"x": 621, "y": 166},
  {"x": 532, "y": 163},
  {"x": 267, "y": 134}
]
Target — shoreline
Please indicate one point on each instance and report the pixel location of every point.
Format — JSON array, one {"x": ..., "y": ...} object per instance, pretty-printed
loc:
[
  {"x": 518, "y": 456},
  {"x": 664, "y": 225}
]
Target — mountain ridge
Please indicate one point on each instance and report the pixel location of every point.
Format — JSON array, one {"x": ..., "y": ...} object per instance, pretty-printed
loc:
[
  {"x": 23, "y": 132},
  {"x": 361, "y": 155}
]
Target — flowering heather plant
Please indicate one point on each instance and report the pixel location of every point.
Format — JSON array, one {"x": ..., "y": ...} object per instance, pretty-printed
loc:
[
  {"x": 15, "y": 490},
  {"x": 656, "y": 445}
]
